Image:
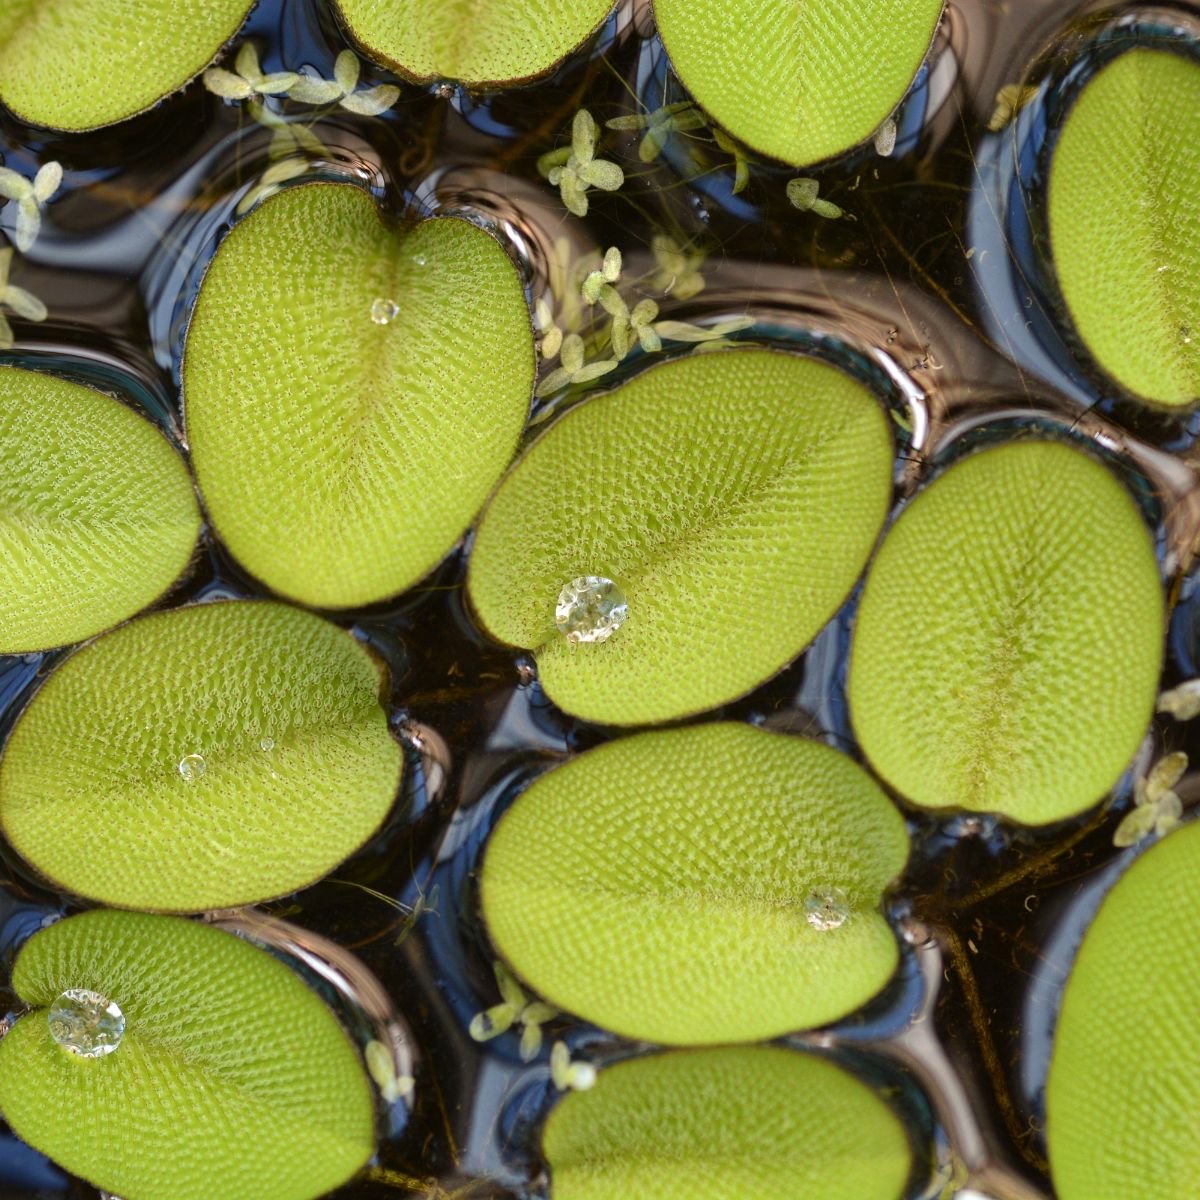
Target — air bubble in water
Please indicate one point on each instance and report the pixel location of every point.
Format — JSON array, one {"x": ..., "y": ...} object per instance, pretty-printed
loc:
[
  {"x": 266, "y": 743},
  {"x": 192, "y": 766},
  {"x": 86, "y": 1023},
  {"x": 590, "y": 608},
  {"x": 384, "y": 311},
  {"x": 826, "y": 908}
]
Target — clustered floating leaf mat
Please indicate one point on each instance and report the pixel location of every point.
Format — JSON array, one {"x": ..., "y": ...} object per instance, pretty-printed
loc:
[
  {"x": 80, "y": 64},
  {"x": 475, "y": 42},
  {"x": 1007, "y": 649},
  {"x": 342, "y": 430},
  {"x": 798, "y": 81},
  {"x": 734, "y": 498},
  {"x": 205, "y": 757},
  {"x": 1124, "y": 1082},
  {"x": 643, "y": 883},
  {"x": 757, "y": 1123},
  {"x": 1132, "y": 285},
  {"x": 232, "y": 1077},
  {"x": 97, "y": 513}
]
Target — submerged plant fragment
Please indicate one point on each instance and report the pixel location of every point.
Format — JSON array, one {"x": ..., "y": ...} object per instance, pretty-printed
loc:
[
  {"x": 19, "y": 301},
  {"x": 30, "y": 196}
]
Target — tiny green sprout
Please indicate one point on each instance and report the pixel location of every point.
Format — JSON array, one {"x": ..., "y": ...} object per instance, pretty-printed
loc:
[
  {"x": 575, "y": 169},
  {"x": 803, "y": 194},
  {"x": 277, "y": 174},
  {"x": 425, "y": 904},
  {"x": 681, "y": 117},
  {"x": 741, "y": 164},
  {"x": 381, "y": 1066},
  {"x": 1181, "y": 702},
  {"x": 678, "y": 268},
  {"x": 30, "y": 196},
  {"x": 568, "y": 1075},
  {"x": 639, "y": 326},
  {"x": 515, "y": 1008},
  {"x": 1157, "y": 809},
  {"x": 552, "y": 335},
  {"x": 370, "y": 102},
  {"x": 1010, "y": 99},
  {"x": 17, "y": 300},
  {"x": 885, "y": 138},
  {"x": 682, "y": 331},
  {"x": 247, "y": 79},
  {"x": 573, "y": 369},
  {"x": 287, "y": 137}
]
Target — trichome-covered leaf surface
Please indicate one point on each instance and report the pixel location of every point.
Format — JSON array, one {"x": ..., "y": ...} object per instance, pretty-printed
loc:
[
  {"x": 97, "y": 513},
  {"x": 232, "y": 1079},
  {"x": 472, "y": 41},
  {"x": 1007, "y": 648},
  {"x": 352, "y": 391},
  {"x": 798, "y": 80},
  {"x": 205, "y": 757},
  {"x": 756, "y": 1123},
  {"x": 80, "y": 64},
  {"x": 734, "y": 497},
  {"x": 1124, "y": 1083},
  {"x": 661, "y": 886},
  {"x": 1124, "y": 213}
]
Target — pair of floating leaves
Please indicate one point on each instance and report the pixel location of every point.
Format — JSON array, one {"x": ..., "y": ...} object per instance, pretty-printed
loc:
[
  {"x": 760, "y": 1123},
  {"x": 694, "y": 886},
  {"x": 733, "y": 548},
  {"x": 97, "y": 513},
  {"x": 495, "y": 42},
  {"x": 342, "y": 430},
  {"x": 1007, "y": 649},
  {"x": 800, "y": 82},
  {"x": 1124, "y": 215},
  {"x": 80, "y": 64},
  {"x": 232, "y": 1077},
  {"x": 1124, "y": 1082},
  {"x": 201, "y": 758}
]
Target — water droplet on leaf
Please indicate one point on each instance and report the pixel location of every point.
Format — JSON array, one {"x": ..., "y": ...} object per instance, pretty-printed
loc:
[
  {"x": 192, "y": 766},
  {"x": 384, "y": 311},
  {"x": 266, "y": 743},
  {"x": 86, "y": 1023},
  {"x": 826, "y": 908},
  {"x": 591, "y": 608}
]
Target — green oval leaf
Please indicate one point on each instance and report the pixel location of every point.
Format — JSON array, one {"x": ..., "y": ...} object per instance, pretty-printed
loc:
[
  {"x": 644, "y": 883},
  {"x": 424, "y": 40},
  {"x": 798, "y": 82},
  {"x": 232, "y": 1078},
  {"x": 1126, "y": 1060},
  {"x": 80, "y": 64},
  {"x": 733, "y": 497},
  {"x": 1124, "y": 217},
  {"x": 97, "y": 513},
  {"x": 760, "y": 1123},
  {"x": 201, "y": 758},
  {"x": 342, "y": 430},
  {"x": 1007, "y": 649}
]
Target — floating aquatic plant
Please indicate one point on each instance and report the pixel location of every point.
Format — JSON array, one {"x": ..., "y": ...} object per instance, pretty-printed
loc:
[
  {"x": 733, "y": 549},
  {"x": 694, "y": 886},
  {"x": 30, "y": 196},
  {"x": 963, "y": 664},
  {"x": 20, "y": 302},
  {"x": 247, "y": 80},
  {"x": 759, "y": 1123},
  {"x": 86, "y": 63},
  {"x": 1131, "y": 282},
  {"x": 428, "y": 40},
  {"x": 97, "y": 514},
  {"x": 574, "y": 169},
  {"x": 1157, "y": 809},
  {"x": 657, "y": 127},
  {"x": 343, "y": 89},
  {"x": 803, "y": 193},
  {"x": 1124, "y": 1081},
  {"x": 798, "y": 82},
  {"x": 238, "y": 751},
  {"x": 342, "y": 433},
  {"x": 230, "y": 1077}
]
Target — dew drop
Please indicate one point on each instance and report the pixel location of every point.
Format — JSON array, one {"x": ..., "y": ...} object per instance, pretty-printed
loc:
[
  {"x": 86, "y": 1023},
  {"x": 826, "y": 908},
  {"x": 384, "y": 311},
  {"x": 266, "y": 743},
  {"x": 192, "y": 766},
  {"x": 420, "y": 259},
  {"x": 590, "y": 608}
]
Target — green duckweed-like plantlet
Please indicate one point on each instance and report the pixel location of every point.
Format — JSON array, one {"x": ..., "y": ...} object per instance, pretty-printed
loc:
[
  {"x": 237, "y": 750},
  {"x": 343, "y": 89},
  {"x": 247, "y": 80},
  {"x": 574, "y": 169},
  {"x": 488, "y": 44},
  {"x": 31, "y": 196},
  {"x": 1130, "y": 276},
  {"x": 342, "y": 433},
  {"x": 231, "y": 1077},
  {"x": 798, "y": 82},
  {"x": 97, "y": 514},
  {"x": 81, "y": 64},
  {"x": 694, "y": 886},
  {"x": 1050, "y": 604},
  {"x": 1126, "y": 1060},
  {"x": 733, "y": 549},
  {"x": 20, "y": 302},
  {"x": 1157, "y": 809},
  {"x": 759, "y": 1123}
]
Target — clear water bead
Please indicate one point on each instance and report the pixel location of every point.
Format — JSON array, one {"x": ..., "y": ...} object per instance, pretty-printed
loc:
[
  {"x": 266, "y": 743},
  {"x": 192, "y": 766},
  {"x": 590, "y": 608},
  {"x": 86, "y": 1023},
  {"x": 384, "y": 311},
  {"x": 826, "y": 908}
]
